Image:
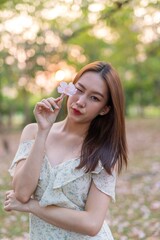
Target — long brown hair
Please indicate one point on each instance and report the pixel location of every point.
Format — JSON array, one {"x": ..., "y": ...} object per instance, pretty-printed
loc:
[{"x": 106, "y": 137}]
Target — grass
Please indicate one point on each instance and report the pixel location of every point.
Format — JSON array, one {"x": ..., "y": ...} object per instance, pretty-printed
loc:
[{"x": 136, "y": 213}]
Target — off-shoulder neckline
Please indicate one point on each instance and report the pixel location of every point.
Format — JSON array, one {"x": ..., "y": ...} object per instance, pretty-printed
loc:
[{"x": 60, "y": 164}]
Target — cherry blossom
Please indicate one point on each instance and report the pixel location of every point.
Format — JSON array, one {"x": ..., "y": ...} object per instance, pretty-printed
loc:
[{"x": 67, "y": 89}]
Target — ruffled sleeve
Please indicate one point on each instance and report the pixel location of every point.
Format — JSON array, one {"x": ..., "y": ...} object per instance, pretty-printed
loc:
[
  {"x": 104, "y": 182},
  {"x": 22, "y": 153}
]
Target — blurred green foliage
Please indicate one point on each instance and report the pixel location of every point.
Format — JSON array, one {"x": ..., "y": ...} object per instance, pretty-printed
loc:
[{"x": 39, "y": 38}]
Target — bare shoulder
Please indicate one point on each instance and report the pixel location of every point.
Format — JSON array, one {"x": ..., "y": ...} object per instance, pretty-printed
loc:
[
  {"x": 29, "y": 132},
  {"x": 57, "y": 126}
]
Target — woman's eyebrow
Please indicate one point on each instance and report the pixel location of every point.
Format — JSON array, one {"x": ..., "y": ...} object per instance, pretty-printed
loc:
[
  {"x": 81, "y": 85},
  {"x": 94, "y": 92}
]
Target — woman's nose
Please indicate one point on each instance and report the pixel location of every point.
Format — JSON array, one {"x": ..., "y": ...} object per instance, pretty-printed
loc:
[{"x": 81, "y": 102}]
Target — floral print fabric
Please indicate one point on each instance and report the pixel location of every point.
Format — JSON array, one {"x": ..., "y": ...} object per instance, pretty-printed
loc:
[{"x": 65, "y": 186}]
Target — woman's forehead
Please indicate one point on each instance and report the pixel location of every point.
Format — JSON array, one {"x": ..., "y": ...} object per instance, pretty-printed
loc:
[
  {"x": 92, "y": 79},
  {"x": 93, "y": 82}
]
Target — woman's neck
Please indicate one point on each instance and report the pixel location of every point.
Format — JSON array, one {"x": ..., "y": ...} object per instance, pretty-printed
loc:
[{"x": 71, "y": 127}]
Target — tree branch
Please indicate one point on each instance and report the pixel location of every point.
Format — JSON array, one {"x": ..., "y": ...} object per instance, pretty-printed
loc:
[{"x": 118, "y": 6}]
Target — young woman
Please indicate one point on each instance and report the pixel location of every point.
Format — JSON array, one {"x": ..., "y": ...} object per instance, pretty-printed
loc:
[{"x": 64, "y": 173}]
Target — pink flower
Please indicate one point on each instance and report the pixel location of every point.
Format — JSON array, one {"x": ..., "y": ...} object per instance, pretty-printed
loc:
[{"x": 67, "y": 89}]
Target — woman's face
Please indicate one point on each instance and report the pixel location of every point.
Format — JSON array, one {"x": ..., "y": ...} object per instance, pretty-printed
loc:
[{"x": 90, "y": 99}]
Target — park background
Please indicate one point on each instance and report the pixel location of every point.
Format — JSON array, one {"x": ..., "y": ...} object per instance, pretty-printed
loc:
[{"x": 45, "y": 42}]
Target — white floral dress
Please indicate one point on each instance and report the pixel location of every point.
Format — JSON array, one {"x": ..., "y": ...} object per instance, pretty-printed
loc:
[{"x": 65, "y": 186}]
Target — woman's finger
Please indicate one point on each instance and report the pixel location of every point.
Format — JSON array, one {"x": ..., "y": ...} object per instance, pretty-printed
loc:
[
  {"x": 41, "y": 105},
  {"x": 8, "y": 193},
  {"x": 53, "y": 102},
  {"x": 6, "y": 202},
  {"x": 44, "y": 104},
  {"x": 49, "y": 103},
  {"x": 7, "y": 207},
  {"x": 60, "y": 98},
  {"x": 45, "y": 101}
]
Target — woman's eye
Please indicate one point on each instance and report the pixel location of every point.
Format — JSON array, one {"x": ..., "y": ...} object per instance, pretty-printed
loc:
[
  {"x": 94, "y": 98},
  {"x": 78, "y": 89}
]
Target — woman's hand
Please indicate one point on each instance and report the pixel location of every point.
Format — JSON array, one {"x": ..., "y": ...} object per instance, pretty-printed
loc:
[
  {"x": 11, "y": 203},
  {"x": 46, "y": 112}
]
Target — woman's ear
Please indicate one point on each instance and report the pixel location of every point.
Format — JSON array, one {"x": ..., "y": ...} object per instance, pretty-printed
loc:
[{"x": 105, "y": 110}]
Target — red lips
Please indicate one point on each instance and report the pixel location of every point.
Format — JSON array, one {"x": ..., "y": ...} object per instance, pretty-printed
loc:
[{"x": 76, "y": 111}]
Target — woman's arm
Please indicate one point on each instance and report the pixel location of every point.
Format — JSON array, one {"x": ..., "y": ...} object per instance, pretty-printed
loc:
[
  {"x": 27, "y": 172},
  {"x": 88, "y": 222}
]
